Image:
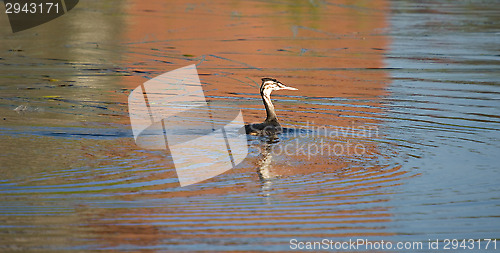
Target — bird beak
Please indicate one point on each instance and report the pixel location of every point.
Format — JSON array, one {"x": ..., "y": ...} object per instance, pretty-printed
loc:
[{"x": 288, "y": 88}]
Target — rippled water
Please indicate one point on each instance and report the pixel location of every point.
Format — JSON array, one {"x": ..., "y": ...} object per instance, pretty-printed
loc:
[{"x": 398, "y": 102}]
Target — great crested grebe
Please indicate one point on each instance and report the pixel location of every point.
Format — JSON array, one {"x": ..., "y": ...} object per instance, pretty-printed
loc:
[{"x": 270, "y": 126}]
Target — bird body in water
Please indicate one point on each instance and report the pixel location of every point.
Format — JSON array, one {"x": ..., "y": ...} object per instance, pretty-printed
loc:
[{"x": 270, "y": 126}]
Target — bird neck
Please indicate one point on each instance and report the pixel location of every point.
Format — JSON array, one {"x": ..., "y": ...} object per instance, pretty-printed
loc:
[{"x": 271, "y": 114}]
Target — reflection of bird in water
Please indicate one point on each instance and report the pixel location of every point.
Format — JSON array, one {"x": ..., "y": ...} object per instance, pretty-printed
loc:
[
  {"x": 264, "y": 170},
  {"x": 265, "y": 162},
  {"x": 270, "y": 126}
]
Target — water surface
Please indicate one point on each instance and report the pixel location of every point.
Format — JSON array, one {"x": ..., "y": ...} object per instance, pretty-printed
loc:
[{"x": 401, "y": 101}]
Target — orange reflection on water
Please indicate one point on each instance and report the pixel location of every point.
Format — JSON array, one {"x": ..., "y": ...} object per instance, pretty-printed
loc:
[{"x": 333, "y": 53}]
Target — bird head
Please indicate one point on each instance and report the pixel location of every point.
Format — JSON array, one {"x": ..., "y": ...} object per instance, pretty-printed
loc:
[{"x": 270, "y": 84}]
